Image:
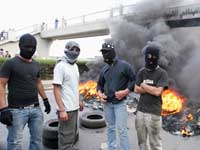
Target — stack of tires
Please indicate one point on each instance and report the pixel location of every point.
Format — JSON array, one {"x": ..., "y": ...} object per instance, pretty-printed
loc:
[{"x": 50, "y": 134}]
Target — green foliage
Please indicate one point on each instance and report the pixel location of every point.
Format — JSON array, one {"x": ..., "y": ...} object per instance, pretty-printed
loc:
[
  {"x": 2, "y": 59},
  {"x": 47, "y": 66}
]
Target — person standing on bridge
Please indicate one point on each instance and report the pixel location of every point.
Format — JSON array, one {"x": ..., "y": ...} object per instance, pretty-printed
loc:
[
  {"x": 56, "y": 23},
  {"x": 22, "y": 75},
  {"x": 116, "y": 80},
  {"x": 150, "y": 82},
  {"x": 65, "y": 87}
]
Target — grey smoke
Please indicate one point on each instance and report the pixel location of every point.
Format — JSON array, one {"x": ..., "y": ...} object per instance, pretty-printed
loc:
[{"x": 179, "y": 47}]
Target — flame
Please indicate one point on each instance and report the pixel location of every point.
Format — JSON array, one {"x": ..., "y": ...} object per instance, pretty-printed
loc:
[
  {"x": 172, "y": 102},
  {"x": 88, "y": 89},
  {"x": 189, "y": 117},
  {"x": 186, "y": 132}
]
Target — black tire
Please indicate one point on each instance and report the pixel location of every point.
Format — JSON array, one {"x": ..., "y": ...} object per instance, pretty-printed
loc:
[
  {"x": 50, "y": 143},
  {"x": 50, "y": 129},
  {"x": 92, "y": 120}
]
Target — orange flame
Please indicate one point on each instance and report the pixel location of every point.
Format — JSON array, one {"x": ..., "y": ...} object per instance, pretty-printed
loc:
[
  {"x": 186, "y": 132},
  {"x": 189, "y": 117},
  {"x": 88, "y": 89},
  {"x": 172, "y": 102}
]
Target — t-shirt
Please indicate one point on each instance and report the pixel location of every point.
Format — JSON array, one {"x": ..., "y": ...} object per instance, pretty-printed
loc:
[
  {"x": 22, "y": 83},
  {"x": 67, "y": 75},
  {"x": 149, "y": 103}
]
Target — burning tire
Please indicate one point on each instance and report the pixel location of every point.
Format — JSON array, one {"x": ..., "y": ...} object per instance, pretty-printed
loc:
[{"x": 92, "y": 120}]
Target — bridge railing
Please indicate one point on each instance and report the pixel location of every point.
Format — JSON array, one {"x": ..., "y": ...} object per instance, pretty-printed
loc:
[
  {"x": 88, "y": 18},
  {"x": 177, "y": 10}
]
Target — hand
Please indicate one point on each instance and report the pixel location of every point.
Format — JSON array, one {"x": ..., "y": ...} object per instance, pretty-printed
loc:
[
  {"x": 63, "y": 116},
  {"x": 102, "y": 96},
  {"x": 121, "y": 94},
  {"x": 80, "y": 105},
  {"x": 6, "y": 116},
  {"x": 47, "y": 105},
  {"x": 142, "y": 84}
]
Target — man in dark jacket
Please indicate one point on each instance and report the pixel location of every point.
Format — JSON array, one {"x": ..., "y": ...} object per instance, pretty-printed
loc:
[{"x": 116, "y": 80}]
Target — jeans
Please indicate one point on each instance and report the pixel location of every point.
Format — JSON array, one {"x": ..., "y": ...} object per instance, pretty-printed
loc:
[
  {"x": 148, "y": 127},
  {"x": 34, "y": 118},
  {"x": 116, "y": 117}
]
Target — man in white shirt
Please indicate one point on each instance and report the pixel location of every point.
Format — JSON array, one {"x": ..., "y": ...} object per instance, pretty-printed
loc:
[{"x": 66, "y": 83}]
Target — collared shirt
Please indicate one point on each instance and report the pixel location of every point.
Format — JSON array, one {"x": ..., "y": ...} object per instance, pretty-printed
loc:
[{"x": 115, "y": 77}]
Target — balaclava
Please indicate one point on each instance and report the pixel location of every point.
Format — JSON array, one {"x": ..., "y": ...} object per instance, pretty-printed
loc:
[
  {"x": 151, "y": 58},
  {"x": 70, "y": 54},
  {"x": 108, "y": 53},
  {"x": 27, "y": 45}
]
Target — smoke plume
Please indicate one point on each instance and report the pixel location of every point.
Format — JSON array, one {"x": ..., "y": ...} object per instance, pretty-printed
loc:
[{"x": 179, "y": 46}]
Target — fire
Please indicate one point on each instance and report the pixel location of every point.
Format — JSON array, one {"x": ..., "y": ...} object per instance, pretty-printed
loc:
[
  {"x": 186, "y": 132},
  {"x": 88, "y": 89},
  {"x": 172, "y": 102}
]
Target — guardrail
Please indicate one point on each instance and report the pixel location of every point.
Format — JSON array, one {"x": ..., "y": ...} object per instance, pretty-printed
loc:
[{"x": 172, "y": 12}]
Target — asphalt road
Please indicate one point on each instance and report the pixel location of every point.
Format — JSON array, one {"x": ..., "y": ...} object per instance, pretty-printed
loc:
[{"x": 92, "y": 139}]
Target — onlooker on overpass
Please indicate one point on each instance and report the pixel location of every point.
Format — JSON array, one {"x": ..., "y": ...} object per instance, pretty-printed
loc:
[
  {"x": 1, "y": 52},
  {"x": 56, "y": 23},
  {"x": 7, "y": 54}
]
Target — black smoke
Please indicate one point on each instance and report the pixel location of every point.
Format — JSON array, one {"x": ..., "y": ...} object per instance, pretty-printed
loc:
[{"x": 179, "y": 46}]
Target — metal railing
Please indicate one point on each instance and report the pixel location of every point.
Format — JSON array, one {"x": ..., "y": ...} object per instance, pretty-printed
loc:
[{"x": 171, "y": 11}]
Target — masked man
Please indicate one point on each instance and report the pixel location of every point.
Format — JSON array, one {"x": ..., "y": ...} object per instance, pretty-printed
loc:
[
  {"x": 66, "y": 85},
  {"x": 115, "y": 82},
  {"x": 22, "y": 75},
  {"x": 150, "y": 82}
]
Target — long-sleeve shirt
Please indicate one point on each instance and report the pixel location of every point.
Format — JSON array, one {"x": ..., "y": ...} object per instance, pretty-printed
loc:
[{"x": 115, "y": 77}]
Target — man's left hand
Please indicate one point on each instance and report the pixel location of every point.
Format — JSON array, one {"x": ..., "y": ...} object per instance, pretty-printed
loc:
[
  {"x": 47, "y": 105},
  {"x": 121, "y": 94}
]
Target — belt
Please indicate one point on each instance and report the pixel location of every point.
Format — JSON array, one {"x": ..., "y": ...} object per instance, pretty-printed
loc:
[{"x": 23, "y": 107}]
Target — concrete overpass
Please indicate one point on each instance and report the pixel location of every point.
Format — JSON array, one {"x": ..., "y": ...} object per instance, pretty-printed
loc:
[{"x": 181, "y": 13}]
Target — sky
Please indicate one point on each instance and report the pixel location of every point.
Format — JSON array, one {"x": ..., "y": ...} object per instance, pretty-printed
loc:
[{"x": 23, "y": 13}]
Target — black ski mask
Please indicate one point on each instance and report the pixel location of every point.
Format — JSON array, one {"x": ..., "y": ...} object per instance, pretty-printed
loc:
[
  {"x": 27, "y": 45},
  {"x": 151, "y": 58},
  {"x": 108, "y": 53}
]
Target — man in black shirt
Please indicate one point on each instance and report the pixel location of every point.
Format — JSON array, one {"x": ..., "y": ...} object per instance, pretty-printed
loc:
[
  {"x": 150, "y": 82},
  {"x": 22, "y": 75},
  {"x": 116, "y": 80}
]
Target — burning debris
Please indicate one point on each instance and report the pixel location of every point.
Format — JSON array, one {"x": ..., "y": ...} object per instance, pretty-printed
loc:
[
  {"x": 88, "y": 94},
  {"x": 172, "y": 102},
  {"x": 179, "y": 56},
  {"x": 179, "y": 118},
  {"x": 88, "y": 90}
]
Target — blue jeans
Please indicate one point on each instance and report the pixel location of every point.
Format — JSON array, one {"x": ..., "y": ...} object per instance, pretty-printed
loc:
[
  {"x": 34, "y": 118},
  {"x": 116, "y": 117}
]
